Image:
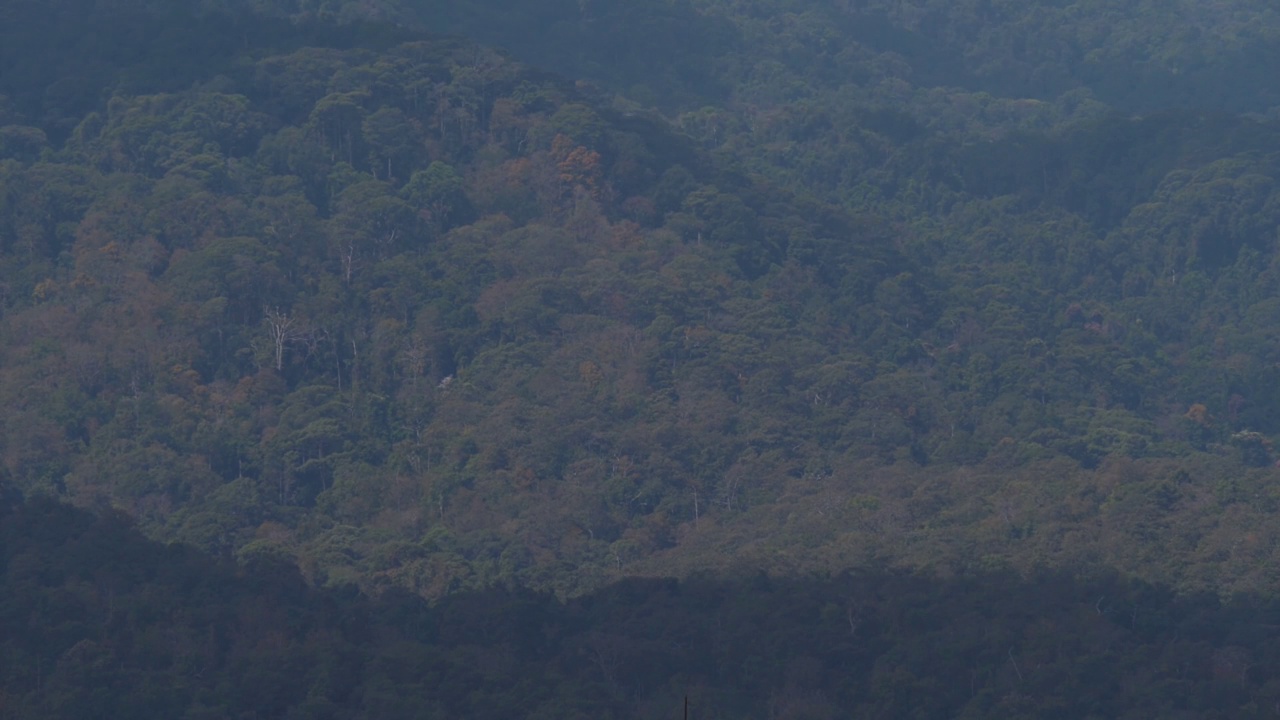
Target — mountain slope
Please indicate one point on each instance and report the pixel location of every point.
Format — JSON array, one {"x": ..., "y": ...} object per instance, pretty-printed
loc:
[
  {"x": 416, "y": 315},
  {"x": 96, "y": 621}
]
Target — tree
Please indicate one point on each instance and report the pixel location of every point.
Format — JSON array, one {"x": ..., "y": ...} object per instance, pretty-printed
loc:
[
  {"x": 282, "y": 329},
  {"x": 439, "y": 195},
  {"x": 370, "y": 221},
  {"x": 338, "y": 120},
  {"x": 393, "y": 142}
]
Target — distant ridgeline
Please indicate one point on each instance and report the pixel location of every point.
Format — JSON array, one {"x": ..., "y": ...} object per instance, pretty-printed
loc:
[
  {"x": 412, "y": 315},
  {"x": 1138, "y": 56}
]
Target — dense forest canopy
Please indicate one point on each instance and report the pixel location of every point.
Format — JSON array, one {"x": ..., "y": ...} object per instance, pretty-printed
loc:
[
  {"x": 99, "y": 622},
  {"x": 433, "y": 297}
]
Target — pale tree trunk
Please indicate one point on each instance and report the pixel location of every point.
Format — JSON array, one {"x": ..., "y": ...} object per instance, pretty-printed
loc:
[{"x": 281, "y": 328}]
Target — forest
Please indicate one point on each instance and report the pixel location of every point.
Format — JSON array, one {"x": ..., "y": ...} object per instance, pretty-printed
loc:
[
  {"x": 99, "y": 622},
  {"x": 855, "y": 358}
]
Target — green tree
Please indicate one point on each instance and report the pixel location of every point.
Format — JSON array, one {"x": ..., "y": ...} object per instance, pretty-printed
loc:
[{"x": 439, "y": 195}]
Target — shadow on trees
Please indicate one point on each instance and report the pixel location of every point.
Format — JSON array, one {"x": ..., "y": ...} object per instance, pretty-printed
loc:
[{"x": 97, "y": 621}]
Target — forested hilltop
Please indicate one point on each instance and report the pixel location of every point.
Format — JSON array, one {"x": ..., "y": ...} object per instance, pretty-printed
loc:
[{"x": 320, "y": 285}]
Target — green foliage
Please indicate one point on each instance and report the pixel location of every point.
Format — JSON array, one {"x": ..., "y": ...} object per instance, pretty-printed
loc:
[
  {"x": 982, "y": 292},
  {"x": 440, "y": 195},
  {"x": 99, "y": 622},
  {"x": 418, "y": 316}
]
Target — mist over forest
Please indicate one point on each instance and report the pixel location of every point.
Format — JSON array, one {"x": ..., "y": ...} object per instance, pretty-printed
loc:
[{"x": 429, "y": 358}]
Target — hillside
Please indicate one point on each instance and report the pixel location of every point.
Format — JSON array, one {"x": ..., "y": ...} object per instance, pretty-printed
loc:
[
  {"x": 563, "y": 359},
  {"x": 98, "y": 622},
  {"x": 414, "y": 314}
]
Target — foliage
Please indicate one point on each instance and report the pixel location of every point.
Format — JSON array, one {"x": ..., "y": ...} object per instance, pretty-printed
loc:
[
  {"x": 415, "y": 315},
  {"x": 99, "y": 622}
]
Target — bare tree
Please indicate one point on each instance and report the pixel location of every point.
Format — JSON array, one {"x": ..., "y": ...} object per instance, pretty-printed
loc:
[
  {"x": 283, "y": 329},
  {"x": 347, "y": 252}
]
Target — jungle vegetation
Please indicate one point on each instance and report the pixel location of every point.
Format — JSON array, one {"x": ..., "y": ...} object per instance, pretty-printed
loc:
[{"x": 612, "y": 309}]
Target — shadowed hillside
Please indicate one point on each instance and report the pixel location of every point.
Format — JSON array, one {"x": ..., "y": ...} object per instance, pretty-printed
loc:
[{"x": 99, "y": 622}]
